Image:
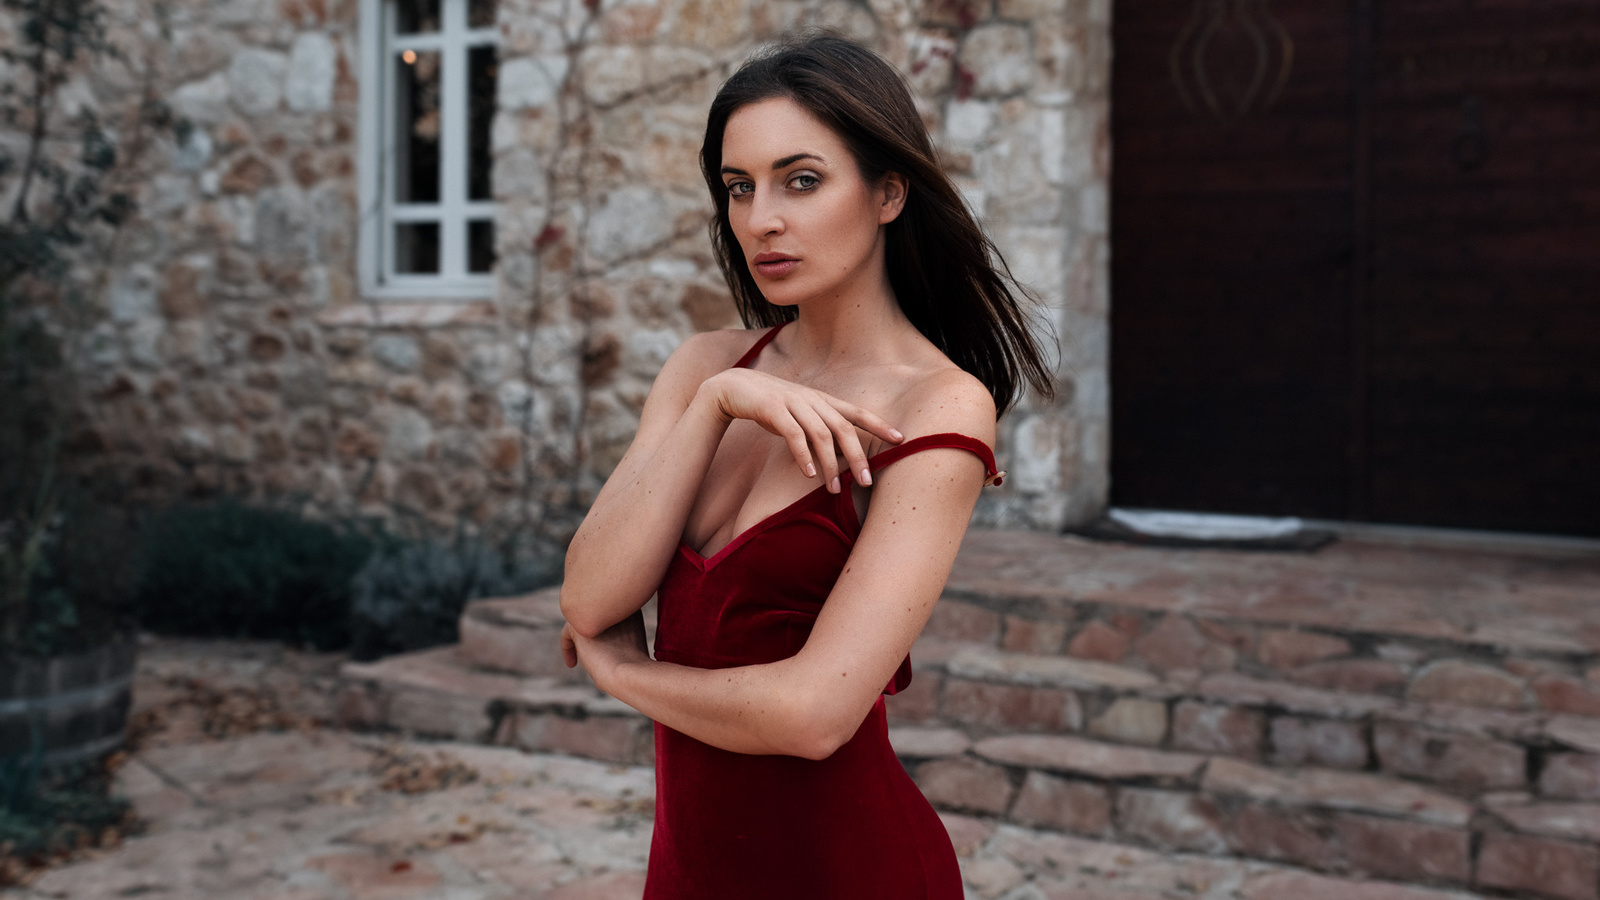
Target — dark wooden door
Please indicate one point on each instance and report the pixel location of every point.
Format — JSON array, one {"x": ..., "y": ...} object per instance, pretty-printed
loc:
[{"x": 1356, "y": 260}]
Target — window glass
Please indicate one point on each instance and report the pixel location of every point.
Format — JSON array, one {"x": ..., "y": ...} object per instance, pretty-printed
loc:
[
  {"x": 416, "y": 16},
  {"x": 480, "y": 246},
  {"x": 416, "y": 248},
  {"x": 480, "y": 13},
  {"x": 417, "y": 121},
  {"x": 482, "y": 69}
]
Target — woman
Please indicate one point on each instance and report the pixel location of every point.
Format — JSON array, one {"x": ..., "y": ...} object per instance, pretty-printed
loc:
[{"x": 871, "y": 396}]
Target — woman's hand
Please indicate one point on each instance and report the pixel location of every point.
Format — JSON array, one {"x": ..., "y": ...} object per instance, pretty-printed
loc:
[
  {"x": 622, "y": 643},
  {"x": 819, "y": 428}
]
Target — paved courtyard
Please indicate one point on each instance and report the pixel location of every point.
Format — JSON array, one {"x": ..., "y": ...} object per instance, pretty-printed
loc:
[{"x": 248, "y": 795}]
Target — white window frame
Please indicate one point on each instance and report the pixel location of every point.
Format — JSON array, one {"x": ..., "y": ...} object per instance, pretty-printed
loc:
[{"x": 379, "y": 212}]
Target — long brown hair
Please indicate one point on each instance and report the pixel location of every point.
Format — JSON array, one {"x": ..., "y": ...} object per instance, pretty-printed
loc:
[{"x": 948, "y": 277}]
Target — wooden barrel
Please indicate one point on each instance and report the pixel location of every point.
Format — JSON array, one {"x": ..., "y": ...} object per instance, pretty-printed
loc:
[{"x": 77, "y": 703}]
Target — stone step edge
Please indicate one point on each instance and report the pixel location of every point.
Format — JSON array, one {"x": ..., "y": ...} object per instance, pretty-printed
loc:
[
  {"x": 1040, "y": 609},
  {"x": 488, "y": 702},
  {"x": 1110, "y": 681},
  {"x": 407, "y": 693}
]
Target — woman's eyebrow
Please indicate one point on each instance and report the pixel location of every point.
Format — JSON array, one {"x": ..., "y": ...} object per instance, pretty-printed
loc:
[
  {"x": 788, "y": 161},
  {"x": 777, "y": 164}
]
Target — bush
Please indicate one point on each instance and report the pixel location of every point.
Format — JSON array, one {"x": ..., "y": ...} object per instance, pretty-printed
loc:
[
  {"x": 410, "y": 594},
  {"x": 230, "y": 570}
]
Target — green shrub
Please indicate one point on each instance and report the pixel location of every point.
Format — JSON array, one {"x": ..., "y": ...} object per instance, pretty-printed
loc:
[
  {"x": 230, "y": 570},
  {"x": 410, "y": 594}
]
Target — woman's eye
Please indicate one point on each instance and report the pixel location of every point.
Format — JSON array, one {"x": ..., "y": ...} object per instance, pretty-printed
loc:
[
  {"x": 740, "y": 188},
  {"x": 804, "y": 182}
]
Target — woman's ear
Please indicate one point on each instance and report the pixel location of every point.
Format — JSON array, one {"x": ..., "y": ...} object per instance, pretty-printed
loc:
[{"x": 894, "y": 188}]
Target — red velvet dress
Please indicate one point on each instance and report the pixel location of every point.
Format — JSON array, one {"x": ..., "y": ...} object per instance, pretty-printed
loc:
[{"x": 734, "y": 826}]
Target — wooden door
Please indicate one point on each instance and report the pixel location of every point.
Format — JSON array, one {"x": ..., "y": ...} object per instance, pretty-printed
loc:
[{"x": 1354, "y": 263}]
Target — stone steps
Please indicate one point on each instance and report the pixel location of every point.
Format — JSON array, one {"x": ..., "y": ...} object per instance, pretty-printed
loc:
[
  {"x": 1321, "y": 721},
  {"x": 1189, "y": 763}
]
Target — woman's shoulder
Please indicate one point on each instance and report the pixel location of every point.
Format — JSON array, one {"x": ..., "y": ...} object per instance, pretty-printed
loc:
[
  {"x": 946, "y": 398},
  {"x": 706, "y": 353}
]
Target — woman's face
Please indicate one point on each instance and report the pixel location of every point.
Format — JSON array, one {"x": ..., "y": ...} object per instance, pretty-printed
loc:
[{"x": 808, "y": 224}]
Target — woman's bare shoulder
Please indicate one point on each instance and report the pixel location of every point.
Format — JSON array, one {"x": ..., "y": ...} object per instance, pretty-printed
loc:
[
  {"x": 706, "y": 353},
  {"x": 946, "y": 398}
]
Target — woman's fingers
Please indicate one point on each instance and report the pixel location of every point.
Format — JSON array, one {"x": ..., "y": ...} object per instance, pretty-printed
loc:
[
  {"x": 820, "y": 436},
  {"x": 569, "y": 647}
]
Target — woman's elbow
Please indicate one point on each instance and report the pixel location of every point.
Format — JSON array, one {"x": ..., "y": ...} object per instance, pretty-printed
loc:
[
  {"x": 581, "y": 616},
  {"x": 820, "y": 728}
]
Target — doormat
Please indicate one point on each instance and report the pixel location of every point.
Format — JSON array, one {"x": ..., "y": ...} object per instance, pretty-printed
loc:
[{"x": 1163, "y": 528}]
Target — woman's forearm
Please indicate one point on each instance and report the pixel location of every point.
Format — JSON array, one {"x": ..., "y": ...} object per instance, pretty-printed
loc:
[
  {"x": 621, "y": 551},
  {"x": 760, "y": 709}
]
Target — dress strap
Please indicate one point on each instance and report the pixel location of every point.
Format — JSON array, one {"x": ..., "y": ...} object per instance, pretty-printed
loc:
[
  {"x": 756, "y": 348},
  {"x": 933, "y": 441}
]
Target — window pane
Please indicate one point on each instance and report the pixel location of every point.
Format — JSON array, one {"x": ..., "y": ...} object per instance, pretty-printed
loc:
[
  {"x": 414, "y": 16},
  {"x": 480, "y": 13},
  {"x": 482, "y": 70},
  {"x": 416, "y": 248},
  {"x": 416, "y": 146},
  {"x": 480, "y": 246}
]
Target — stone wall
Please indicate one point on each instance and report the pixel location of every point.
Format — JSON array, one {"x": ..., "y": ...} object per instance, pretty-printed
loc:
[{"x": 237, "y": 354}]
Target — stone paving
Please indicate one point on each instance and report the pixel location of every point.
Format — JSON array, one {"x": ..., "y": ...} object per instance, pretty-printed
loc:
[{"x": 303, "y": 811}]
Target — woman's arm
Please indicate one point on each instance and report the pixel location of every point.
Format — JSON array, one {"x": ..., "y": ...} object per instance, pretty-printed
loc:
[
  {"x": 621, "y": 551},
  {"x": 810, "y": 704}
]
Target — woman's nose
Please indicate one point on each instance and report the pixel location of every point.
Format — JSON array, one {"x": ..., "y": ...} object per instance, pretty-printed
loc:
[{"x": 765, "y": 216}]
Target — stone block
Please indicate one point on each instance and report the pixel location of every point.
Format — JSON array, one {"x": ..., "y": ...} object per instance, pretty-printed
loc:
[
  {"x": 966, "y": 833},
  {"x": 1355, "y": 676},
  {"x": 1470, "y": 762},
  {"x": 1046, "y": 671},
  {"x": 1263, "y": 833},
  {"x": 463, "y": 717},
  {"x": 1409, "y": 851},
  {"x": 1033, "y": 636},
  {"x": 1570, "y": 821},
  {"x": 1099, "y": 641},
  {"x": 1169, "y": 819},
  {"x": 255, "y": 80},
  {"x": 1011, "y": 707},
  {"x": 1230, "y": 730},
  {"x": 965, "y": 784},
  {"x": 928, "y": 743},
  {"x": 1232, "y": 688},
  {"x": 1467, "y": 684},
  {"x": 1078, "y": 807},
  {"x": 609, "y": 738},
  {"x": 1577, "y": 732},
  {"x": 919, "y": 702},
  {"x": 1574, "y": 776},
  {"x": 313, "y": 66},
  {"x": 1325, "y": 788},
  {"x": 1132, "y": 720},
  {"x": 964, "y": 623},
  {"x": 999, "y": 59},
  {"x": 1282, "y": 884},
  {"x": 525, "y": 651},
  {"x": 1175, "y": 643},
  {"x": 1084, "y": 757},
  {"x": 1282, "y": 649},
  {"x": 1564, "y": 694},
  {"x": 1538, "y": 867},
  {"x": 1319, "y": 742}
]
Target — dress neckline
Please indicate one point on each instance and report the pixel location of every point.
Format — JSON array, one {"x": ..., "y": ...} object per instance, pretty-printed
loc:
[{"x": 846, "y": 477}]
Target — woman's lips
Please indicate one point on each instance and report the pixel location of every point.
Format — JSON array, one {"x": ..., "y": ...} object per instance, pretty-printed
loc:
[{"x": 772, "y": 265}]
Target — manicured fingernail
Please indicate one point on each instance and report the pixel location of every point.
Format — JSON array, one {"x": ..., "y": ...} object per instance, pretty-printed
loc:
[
  {"x": 834, "y": 484},
  {"x": 866, "y": 477},
  {"x": 811, "y": 471},
  {"x": 895, "y": 433}
]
